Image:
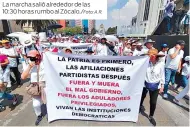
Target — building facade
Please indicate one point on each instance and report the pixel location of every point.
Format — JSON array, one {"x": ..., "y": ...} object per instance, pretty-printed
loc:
[
  {"x": 71, "y": 23},
  {"x": 91, "y": 25},
  {"x": 149, "y": 15},
  {"x": 78, "y": 23},
  {"x": 63, "y": 23},
  {"x": 86, "y": 25}
]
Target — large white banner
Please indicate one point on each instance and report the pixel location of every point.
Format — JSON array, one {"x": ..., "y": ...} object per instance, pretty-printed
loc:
[
  {"x": 78, "y": 48},
  {"x": 94, "y": 88}
]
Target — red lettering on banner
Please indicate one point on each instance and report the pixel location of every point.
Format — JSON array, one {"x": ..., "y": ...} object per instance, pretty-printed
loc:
[
  {"x": 83, "y": 96},
  {"x": 106, "y": 91},
  {"x": 80, "y": 90},
  {"x": 96, "y": 104},
  {"x": 112, "y": 84},
  {"x": 77, "y": 82},
  {"x": 66, "y": 95},
  {"x": 68, "y": 89},
  {"x": 110, "y": 98}
]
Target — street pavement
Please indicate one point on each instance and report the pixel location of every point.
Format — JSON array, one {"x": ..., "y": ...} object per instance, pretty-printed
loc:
[{"x": 167, "y": 114}]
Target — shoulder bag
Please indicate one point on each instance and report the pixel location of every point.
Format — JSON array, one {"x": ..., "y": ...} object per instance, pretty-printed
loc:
[{"x": 33, "y": 89}]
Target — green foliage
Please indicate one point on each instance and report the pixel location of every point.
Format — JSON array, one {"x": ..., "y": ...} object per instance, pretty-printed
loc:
[
  {"x": 71, "y": 30},
  {"x": 37, "y": 25},
  {"x": 111, "y": 30}
]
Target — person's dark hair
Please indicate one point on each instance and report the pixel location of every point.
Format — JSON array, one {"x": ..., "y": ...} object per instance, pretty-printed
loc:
[
  {"x": 180, "y": 42},
  {"x": 104, "y": 39}
]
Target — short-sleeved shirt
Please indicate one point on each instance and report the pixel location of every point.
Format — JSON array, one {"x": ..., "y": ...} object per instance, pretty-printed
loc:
[
  {"x": 186, "y": 69},
  {"x": 162, "y": 59},
  {"x": 11, "y": 52},
  {"x": 174, "y": 63},
  {"x": 33, "y": 73},
  {"x": 1, "y": 50}
]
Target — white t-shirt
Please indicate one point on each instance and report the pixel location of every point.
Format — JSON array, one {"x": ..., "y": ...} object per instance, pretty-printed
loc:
[
  {"x": 173, "y": 63},
  {"x": 155, "y": 73},
  {"x": 126, "y": 51},
  {"x": 145, "y": 50},
  {"x": 162, "y": 59},
  {"x": 1, "y": 49},
  {"x": 136, "y": 53},
  {"x": 103, "y": 50},
  {"x": 33, "y": 73},
  {"x": 11, "y": 52},
  {"x": 186, "y": 69}
]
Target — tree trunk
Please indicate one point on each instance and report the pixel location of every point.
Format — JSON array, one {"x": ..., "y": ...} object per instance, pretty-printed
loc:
[
  {"x": 5, "y": 27},
  {"x": 39, "y": 29}
]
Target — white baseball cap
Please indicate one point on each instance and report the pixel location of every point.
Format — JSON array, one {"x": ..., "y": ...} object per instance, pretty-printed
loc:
[
  {"x": 187, "y": 58},
  {"x": 139, "y": 44}
]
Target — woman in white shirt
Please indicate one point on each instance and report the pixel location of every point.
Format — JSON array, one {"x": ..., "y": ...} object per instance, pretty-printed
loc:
[
  {"x": 185, "y": 80},
  {"x": 35, "y": 64},
  {"x": 127, "y": 48},
  {"x": 154, "y": 81}
]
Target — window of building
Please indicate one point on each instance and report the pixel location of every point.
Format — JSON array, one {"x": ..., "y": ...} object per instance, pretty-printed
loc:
[
  {"x": 144, "y": 31},
  {"x": 161, "y": 15},
  {"x": 146, "y": 11},
  {"x": 134, "y": 21}
]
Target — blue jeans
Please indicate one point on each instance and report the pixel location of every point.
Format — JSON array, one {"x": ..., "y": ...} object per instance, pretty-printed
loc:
[
  {"x": 169, "y": 76},
  {"x": 4, "y": 95},
  {"x": 185, "y": 81},
  {"x": 168, "y": 21}
]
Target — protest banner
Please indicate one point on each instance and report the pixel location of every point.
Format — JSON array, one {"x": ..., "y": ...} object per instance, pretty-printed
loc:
[
  {"x": 78, "y": 48},
  {"x": 93, "y": 87}
]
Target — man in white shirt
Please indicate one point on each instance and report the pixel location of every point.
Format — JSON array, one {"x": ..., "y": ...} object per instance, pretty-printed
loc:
[
  {"x": 134, "y": 50},
  {"x": 103, "y": 48},
  {"x": 149, "y": 44},
  {"x": 11, "y": 53},
  {"x": 164, "y": 50},
  {"x": 173, "y": 64}
]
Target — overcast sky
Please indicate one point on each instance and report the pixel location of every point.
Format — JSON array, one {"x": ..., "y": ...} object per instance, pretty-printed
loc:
[{"x": 128, "y": 9}]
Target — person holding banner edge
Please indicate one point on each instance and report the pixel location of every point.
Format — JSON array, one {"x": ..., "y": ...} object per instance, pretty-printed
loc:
[
  {"x": 36, "y": 71},
  {"x": 154, "y": 82}
]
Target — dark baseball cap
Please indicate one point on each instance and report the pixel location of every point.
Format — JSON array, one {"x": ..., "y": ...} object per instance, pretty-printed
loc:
[{"x": 181, "y": 42}]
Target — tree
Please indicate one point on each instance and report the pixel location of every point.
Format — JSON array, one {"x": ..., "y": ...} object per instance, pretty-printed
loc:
[
  {"x": 38, "y": 25},
  {"x": 6, "y": 28},
  {"x": 112, "y": 30},
  {"x": 78, "y": 29},
  {"x": 93, "y": 31},
  {"x": 72, "y": 30}
]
